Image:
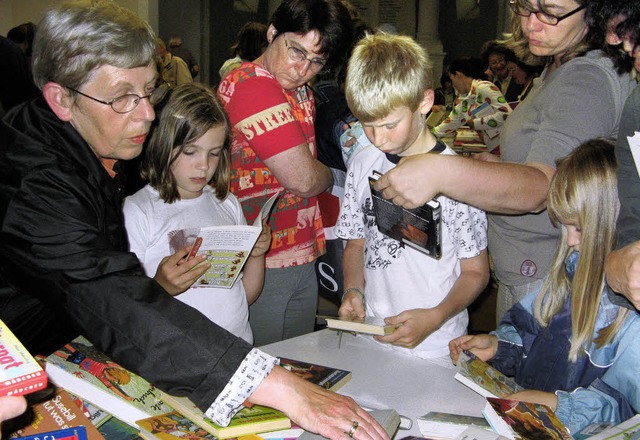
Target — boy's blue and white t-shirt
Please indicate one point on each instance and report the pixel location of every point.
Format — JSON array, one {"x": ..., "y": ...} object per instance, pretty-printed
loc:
[{"x": 399, "y": 278}]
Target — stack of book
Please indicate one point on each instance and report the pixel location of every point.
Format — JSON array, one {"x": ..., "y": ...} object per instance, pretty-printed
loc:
[{"x": 115, "y": 403}]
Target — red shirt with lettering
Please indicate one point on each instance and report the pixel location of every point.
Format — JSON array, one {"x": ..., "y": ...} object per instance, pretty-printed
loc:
[{"x": 268, "y": 120}]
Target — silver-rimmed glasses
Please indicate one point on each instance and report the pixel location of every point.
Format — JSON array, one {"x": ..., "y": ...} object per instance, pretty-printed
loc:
[
  {"x": 298, "y": 55},
  {"x": 127, "y": 103}
]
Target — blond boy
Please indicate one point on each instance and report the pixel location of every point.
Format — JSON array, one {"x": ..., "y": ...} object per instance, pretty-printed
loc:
[{"x": 389, "y": 89}]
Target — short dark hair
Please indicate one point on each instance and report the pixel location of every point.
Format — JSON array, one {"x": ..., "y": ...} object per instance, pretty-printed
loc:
[
  {"x": 251, "y": 41},
  {"x": 329, "y": 17},
  {"x": 601, "y": 12},
  {"x": 492, "y": 46},
  {"x": 469, "y": 66}
]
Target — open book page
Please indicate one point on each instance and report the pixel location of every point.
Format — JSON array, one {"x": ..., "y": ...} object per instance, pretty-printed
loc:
[
  {"x": 634, "y": 146},
  {"x": 227, "y": 248}
]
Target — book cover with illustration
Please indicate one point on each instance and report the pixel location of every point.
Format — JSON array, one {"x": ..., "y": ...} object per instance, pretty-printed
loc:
[
  {"x": 418, "y": 228},
  {"x": 172, "y": 425},
  {"x": 327, "y": 377},
  {"x": 517, "y": 420},
  {"x": 483, "y": 378},
  {"x": 57, "y": 412},
  {"x": 90, "y": 374},
  {"x": 253, "y": 420},
  {"x": 19, "y": 372}
]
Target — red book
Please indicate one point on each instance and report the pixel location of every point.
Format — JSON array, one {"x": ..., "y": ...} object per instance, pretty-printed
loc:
[{"x": 19, "y": 372}]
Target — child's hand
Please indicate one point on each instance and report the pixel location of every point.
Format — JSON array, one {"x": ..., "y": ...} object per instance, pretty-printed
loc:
[
  {"x": 263, "y": 243},
  {"x": 413, "y": 326},
  {"x": 174, "y": 272},
  {"x": 484, "y": 347},
  {"x": 352, "y": 306}
]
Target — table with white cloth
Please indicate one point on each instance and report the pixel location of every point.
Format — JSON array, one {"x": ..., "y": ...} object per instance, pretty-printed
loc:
[{"x": 384, "y": 378}]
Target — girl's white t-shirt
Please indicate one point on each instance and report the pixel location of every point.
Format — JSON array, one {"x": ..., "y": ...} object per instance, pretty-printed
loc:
[{"x": 149, "y": 221}]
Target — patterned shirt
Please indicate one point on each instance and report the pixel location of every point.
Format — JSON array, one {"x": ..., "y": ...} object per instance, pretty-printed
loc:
[{"x": 268, "y": 120}]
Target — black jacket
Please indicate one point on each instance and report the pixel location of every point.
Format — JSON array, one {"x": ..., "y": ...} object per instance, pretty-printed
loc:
[{"x": 65, "y": 266}]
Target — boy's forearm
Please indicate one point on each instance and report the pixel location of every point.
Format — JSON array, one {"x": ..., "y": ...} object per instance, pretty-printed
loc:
[{"x": 353, "y": 264}]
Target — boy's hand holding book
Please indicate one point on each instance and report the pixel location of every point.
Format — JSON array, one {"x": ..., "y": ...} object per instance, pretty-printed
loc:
[{"x": 412, "y": 327}]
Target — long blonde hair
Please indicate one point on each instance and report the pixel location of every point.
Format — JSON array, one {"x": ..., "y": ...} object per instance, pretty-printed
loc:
[{"x": 583, "y": 191}]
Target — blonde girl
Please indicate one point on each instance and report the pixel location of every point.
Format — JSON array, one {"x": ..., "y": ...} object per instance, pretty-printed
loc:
[{"x": 569, "y": 345}]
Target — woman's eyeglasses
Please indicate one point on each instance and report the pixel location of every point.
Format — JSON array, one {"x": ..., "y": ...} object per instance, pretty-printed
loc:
[{"x": 127, "y": 103}]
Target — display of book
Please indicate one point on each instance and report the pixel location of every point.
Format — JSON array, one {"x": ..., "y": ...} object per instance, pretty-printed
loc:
[
  {"x": 56, "y": 413},
  {"x": 86, "y": 372},
  {"x": 247, "y": 421},
  {"x": 227, "y": 248},
  {"x": 517, "y": 420},
  {"x": 419, "y": 228},
  {"x": 20, "y": 374},
  {"x": 111, "y": 427},
  {"x": 440, "y": 425},
  {"x": 327, "y": 377},
  {"x": 483, "y": 378},
  {"x": 371, "y": 325}
]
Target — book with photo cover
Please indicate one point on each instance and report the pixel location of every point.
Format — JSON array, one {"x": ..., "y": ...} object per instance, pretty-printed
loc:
[
  {"x": 371, "y": 325},
  {"x": 20, "y": 373},
  {"x": 418, "y": 228},
  {"x": 517, "y": 420},
  {"x": 483, "y": 378},
  {"x": 327, "y": 377},
  {"x": 227, "y": 247}
]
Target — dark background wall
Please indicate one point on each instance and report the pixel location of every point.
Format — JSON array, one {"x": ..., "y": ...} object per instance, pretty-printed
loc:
[{"x": 209, "y": 27}]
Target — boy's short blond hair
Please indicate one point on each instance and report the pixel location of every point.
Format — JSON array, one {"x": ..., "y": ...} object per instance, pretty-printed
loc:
[{"x": 386, "y": 72}]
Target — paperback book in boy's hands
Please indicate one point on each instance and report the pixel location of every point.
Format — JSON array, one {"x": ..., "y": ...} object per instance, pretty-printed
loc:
[
  {"x": 483, "y": 378},
  {"x": 517, "y": 420},
  {"x": 418, "y": 228},
  {"x": 371, "y": 325},
  {"x": 327, "y": 377},
  {"x": 440, "y": 425},
  {"x": 90, "y": 374},
  {"x": 19, "y": 372},
  {"x": 227, "y": 248}
]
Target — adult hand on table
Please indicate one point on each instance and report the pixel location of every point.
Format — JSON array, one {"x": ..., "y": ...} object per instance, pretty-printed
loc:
[{"x": 316, "y": 409}]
